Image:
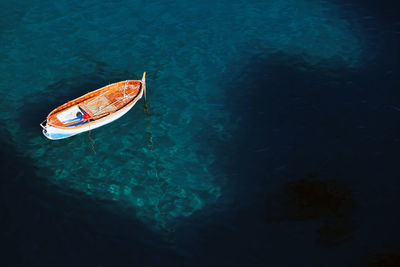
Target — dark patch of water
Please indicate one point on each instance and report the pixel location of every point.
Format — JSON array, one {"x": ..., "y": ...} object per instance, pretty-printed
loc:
[
  {"x": 312, "y": 198},
  {"x": 341, "y": 123},
  {"x": 383, "y": 259}
]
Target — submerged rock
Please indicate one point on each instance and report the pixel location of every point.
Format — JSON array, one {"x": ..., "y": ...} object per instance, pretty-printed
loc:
[
  {"x": 328, "y": 201},
  {"x": 383, "y": 260}
]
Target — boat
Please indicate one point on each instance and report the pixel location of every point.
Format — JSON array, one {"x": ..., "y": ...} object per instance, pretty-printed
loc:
[{"x": 94, "y": 109}]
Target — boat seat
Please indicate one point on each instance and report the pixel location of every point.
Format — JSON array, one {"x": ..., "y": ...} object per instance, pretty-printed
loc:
[{"x": 98, "y": 105}]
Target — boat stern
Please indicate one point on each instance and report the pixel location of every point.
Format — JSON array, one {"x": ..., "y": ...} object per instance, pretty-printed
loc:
[{"x": 54, "y": 133}]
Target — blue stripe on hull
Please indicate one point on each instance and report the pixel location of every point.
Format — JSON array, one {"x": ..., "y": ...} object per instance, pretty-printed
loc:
[
  {"x": 79, "y": 123},
  {"x": 56, "y": 135}
]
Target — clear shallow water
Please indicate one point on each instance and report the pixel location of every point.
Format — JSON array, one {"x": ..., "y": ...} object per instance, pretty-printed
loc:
[
  {"x": 185, "y": 49},
  {"x": 232, "y": 86}
]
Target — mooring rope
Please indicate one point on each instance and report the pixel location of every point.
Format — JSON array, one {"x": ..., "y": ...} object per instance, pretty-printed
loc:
[
  {"x": 146, "y": 108},
  {"x": 149, "y": 128},
  {"x": 92, "y": 143},
  {"x": 91, "y": 140},
  {"x": 170, "y": 229}
]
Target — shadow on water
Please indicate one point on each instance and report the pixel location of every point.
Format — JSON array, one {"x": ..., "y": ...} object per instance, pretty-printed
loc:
[
  {"x": 324, "y": 137},
  {"x": 385, "y": 10},
  {"x": 295, "y": 124},
  {"x": 42, "y": 226},
  {"x": 314, "y": 152}
]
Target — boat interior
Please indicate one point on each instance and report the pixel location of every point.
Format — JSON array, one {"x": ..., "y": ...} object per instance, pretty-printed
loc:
[{"x": 95, "y": 105}]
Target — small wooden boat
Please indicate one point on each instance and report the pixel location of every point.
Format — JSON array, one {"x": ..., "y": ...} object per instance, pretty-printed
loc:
[{"x": 94, "y": 109}]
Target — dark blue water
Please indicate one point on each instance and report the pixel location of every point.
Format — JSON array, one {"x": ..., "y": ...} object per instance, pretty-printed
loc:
[{"x": 273, "y": 136}]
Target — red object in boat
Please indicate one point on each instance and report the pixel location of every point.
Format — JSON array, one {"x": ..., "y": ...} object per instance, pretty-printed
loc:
[{"x": 86, "y": 116}]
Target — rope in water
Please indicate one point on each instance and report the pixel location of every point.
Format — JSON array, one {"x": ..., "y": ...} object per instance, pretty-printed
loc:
[
  {"x": 149, "y": 129},
  {"x": 159, "y": 180},
  {"x": 91, "y": 141},
  {"x": 146, "y": 108}
]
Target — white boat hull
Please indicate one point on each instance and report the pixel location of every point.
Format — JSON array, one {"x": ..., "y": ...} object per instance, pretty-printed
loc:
[{"x": 56, "y": 133}]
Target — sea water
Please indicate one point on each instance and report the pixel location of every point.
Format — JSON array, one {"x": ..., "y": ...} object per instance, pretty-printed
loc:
[
  {"x": 204, "y": 63},
  {"x": 165, "y": 166}
]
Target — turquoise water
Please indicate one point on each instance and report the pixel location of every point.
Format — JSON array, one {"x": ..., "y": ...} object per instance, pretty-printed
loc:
[
  {"x": 55, "y": 51},
  {"x": 250, "y": 102}
]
